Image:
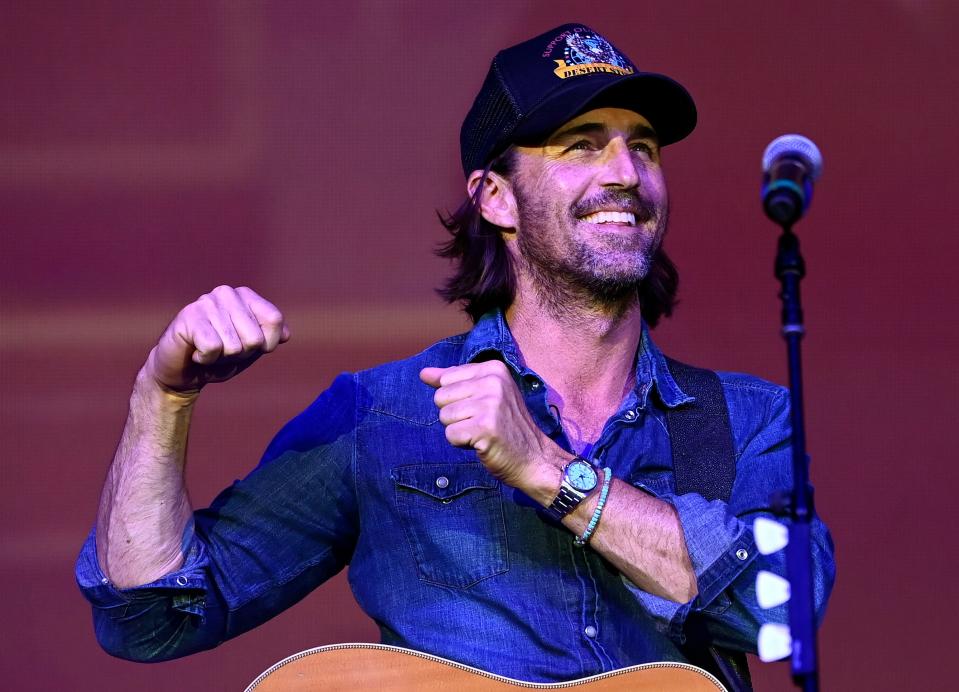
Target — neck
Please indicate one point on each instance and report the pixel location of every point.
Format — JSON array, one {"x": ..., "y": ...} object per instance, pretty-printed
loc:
[{"x": 585, "y": 352}]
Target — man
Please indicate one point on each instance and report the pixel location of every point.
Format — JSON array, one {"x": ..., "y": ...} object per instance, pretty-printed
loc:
[{"x": 506, "y": 498}]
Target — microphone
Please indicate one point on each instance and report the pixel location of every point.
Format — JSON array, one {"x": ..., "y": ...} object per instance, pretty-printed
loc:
[{"x": 790, "y": 165}]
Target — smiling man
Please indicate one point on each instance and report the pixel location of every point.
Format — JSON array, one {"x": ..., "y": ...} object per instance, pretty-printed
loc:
[
  {"x": 592, "y": 206},
  {"x": 546, "y": 497}
]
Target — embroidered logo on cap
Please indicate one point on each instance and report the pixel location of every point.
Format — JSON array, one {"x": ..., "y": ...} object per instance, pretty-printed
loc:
[{"x": 585, "y": 53}]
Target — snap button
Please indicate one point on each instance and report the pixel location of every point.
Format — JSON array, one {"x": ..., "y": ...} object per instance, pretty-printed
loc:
[
  {"x": 181, "y": 580},
  {"x": 535, "y": 384},
  {"x": 630, "y": 414},
  {"x": 442, "y": 482},
  {"x": 742, "y": 554},
  {"x": 590, "y": 631},
  {"x": 104, "y": 581}
]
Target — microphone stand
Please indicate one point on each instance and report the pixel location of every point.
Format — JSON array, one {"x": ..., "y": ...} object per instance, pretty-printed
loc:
[{"x": 790, "y": 269}]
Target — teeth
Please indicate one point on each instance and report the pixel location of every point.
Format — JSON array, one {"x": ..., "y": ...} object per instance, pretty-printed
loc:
[{"x": 611, "y": 217}]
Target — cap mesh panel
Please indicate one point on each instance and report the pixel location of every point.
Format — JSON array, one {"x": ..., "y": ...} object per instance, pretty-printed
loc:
[{"x": 488, "y": 124}]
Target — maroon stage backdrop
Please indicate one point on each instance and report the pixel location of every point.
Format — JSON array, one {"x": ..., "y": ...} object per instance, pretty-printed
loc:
[{"x": 150, "y": 151}]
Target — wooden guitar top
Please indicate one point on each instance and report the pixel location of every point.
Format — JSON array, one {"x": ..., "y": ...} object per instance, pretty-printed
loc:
[{"x": 361, "y": 667}]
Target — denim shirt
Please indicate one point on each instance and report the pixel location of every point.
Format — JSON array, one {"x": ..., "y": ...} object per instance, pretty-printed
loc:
[{"x": 445, "y": 558}]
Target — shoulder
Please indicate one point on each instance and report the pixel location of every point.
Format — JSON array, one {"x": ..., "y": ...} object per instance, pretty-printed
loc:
[
  {"x": 738, "y": 388},
  {"x": 740, "y": 382},
  {"x": 391, "y": 389},
  {"x": 757, "y": 408},
  {"x": 395, "y": 389}
]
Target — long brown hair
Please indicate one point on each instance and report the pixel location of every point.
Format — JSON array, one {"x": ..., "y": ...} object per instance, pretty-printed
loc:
[{"x": 483, "y": 278}]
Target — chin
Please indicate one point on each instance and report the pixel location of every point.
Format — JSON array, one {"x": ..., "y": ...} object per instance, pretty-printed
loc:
[
  {"x": 622, "y": 268},
  {"x": 614, "y": 284}
]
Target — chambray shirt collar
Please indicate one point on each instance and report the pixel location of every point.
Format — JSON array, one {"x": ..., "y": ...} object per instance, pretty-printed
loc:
[
  {"x": 491, "y": 335},
  {"x": 651, "y": 370}
]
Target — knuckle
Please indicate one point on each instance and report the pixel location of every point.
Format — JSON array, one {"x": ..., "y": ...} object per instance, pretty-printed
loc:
[
  {"x": 229, "y": 339},
  {"x": 497, "y": 367},
  {"x": 254, "y": 343},
  {"x": 185, "y": 315},
  {"x": 272, "y": 317},
  {"x": 206, "y": 301}
]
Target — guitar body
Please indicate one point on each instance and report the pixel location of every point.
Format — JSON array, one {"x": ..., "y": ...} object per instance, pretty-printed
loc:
[{"x": 362, "y": 667}]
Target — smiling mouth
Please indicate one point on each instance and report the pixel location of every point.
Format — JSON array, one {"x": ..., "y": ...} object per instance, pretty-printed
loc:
[{"x": 624, "y": 218}]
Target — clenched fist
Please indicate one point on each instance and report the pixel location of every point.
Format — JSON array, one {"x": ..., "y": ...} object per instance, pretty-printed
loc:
[
  {"x": 482, "y": 408},
  {"x": 214, "y": 338}
]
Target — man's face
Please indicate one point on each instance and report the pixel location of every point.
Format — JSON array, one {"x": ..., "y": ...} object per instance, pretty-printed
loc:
[{"x": 591, "y": 204}]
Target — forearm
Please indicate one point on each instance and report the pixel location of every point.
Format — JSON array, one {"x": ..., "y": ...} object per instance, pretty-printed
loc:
[
  {"x": 144, "y": 507},
  {"x": 727, "y": 562},
  {"x": 642, "y": 537},
  {"x": 639, "y": 535}
]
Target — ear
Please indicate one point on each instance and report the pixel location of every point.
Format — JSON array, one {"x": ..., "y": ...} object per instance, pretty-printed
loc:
[{"x": 497, "y": 202}]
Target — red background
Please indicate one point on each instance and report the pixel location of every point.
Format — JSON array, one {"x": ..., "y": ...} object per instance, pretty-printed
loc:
[{"x": 150, "y": 151}]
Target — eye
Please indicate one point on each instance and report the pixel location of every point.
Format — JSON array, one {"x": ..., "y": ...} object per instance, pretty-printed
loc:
[
  {"x": 581, "y": 145},
  {"x": 644, "y": 147}
]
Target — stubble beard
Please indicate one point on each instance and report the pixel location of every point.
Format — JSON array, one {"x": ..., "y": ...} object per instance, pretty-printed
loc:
[{"x": 604, "y": 274}]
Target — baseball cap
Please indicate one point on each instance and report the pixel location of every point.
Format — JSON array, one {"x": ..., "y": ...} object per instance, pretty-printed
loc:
[{"x": 534, "y": 87}]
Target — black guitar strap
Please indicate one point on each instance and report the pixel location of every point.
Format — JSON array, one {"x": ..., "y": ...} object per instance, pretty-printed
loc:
[{"x": 704, "y": 462}]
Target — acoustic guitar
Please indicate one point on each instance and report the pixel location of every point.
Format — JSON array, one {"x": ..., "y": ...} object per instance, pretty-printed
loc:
[{"x": 362, "y": 667}]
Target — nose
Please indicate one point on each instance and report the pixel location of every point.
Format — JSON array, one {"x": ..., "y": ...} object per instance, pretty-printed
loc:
[{"x": 618, "y": 166}]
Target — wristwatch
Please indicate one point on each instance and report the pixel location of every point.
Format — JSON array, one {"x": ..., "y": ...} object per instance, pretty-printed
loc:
[{"x": 579, "y": 480}]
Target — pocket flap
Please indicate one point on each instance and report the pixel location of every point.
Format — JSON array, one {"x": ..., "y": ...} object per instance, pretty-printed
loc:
[{"x": 444, "y": 481}]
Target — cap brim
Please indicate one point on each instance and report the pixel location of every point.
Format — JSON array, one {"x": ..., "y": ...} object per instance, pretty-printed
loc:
[{"x": 662, "y": 101}]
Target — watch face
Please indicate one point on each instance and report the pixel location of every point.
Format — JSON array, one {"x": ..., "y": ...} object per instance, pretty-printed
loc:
[{"x": 581, "y": 475}]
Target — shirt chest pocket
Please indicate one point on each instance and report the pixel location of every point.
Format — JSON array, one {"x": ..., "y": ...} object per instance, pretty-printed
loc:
[{"x": 454, "y": 521}]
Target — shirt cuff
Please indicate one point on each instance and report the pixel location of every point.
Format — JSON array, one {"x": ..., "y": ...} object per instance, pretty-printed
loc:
[
  {"x": 188, "y": 580},
  {"x": 720, "y": 547}
]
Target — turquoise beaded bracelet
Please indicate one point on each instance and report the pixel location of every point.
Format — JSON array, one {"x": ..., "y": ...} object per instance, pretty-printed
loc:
[{"x": 581, "y": 541}]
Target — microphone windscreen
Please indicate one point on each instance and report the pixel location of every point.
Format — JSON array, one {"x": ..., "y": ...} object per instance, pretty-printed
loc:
[{"x": 794, "y": 146}]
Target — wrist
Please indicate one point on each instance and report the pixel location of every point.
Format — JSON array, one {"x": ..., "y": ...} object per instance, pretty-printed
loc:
[
  {"x": 147, "y": 387},
  {"x": 546, "y": 475}
]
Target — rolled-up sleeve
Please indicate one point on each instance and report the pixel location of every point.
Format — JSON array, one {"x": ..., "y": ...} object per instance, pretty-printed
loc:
[
  {"x": 152, "y": 622},
  {"x": 263, "y": 544},
  {"x": 719, "y": 537}
]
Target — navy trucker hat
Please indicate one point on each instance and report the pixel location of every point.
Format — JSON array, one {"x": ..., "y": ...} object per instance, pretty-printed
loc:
[{"x": 534, "y": 87}]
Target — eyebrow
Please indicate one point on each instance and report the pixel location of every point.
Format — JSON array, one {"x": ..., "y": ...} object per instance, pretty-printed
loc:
[{"x": 637, "y": 131}]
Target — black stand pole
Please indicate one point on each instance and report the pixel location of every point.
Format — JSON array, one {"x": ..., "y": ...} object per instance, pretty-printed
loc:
[{"x": 790, "y": 269}]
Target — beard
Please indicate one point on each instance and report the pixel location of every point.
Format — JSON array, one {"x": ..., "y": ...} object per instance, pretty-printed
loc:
[{"x": 569, "y": 266}]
